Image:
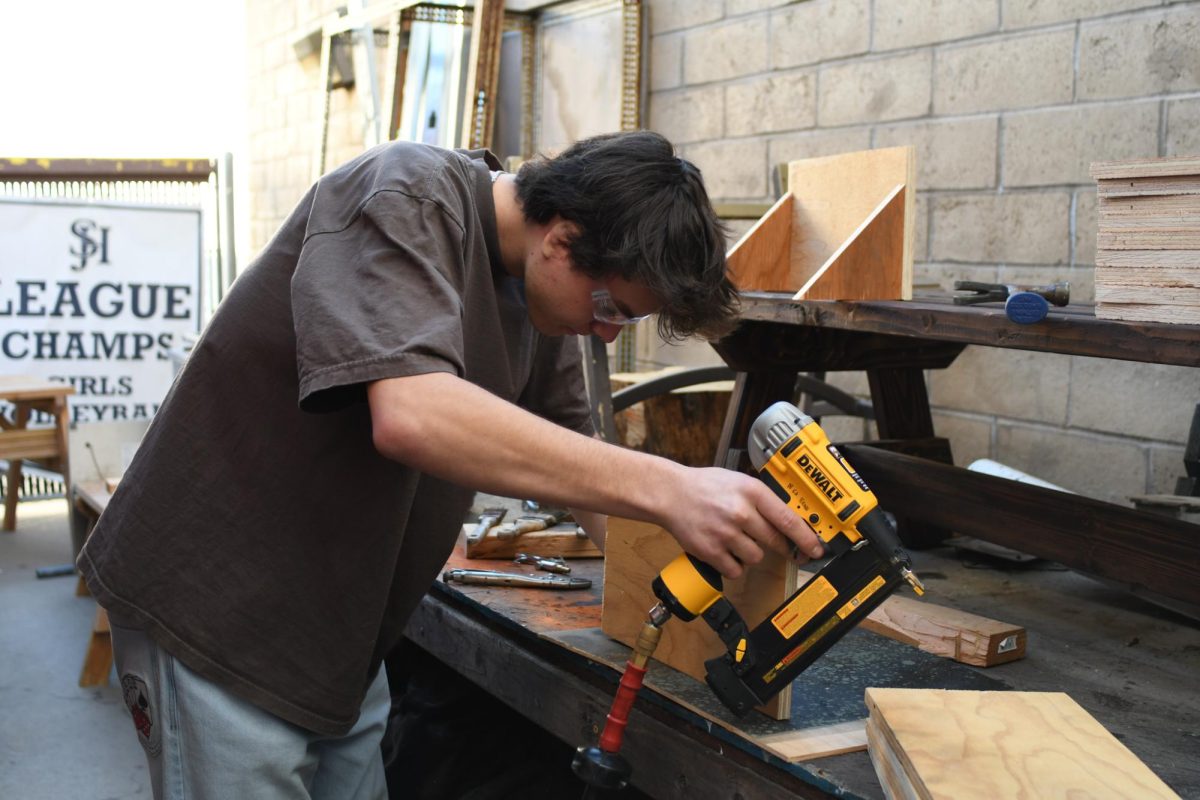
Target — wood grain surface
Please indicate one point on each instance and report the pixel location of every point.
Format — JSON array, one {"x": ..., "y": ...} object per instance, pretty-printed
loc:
[{"x": 961, "y": 745}]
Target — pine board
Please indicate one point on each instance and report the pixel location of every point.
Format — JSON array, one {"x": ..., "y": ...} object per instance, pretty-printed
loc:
[
  {"x": 1154, "y": 294},
  {"x": 1162, "y": 277},
  {"x": 961, "y": 745}
]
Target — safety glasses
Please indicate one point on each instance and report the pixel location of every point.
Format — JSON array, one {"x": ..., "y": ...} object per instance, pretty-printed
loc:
[{"x": 604, "y": 309}]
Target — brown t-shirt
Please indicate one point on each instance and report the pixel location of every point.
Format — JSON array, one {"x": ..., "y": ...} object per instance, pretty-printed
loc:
[{"x": 258, "y": 535}]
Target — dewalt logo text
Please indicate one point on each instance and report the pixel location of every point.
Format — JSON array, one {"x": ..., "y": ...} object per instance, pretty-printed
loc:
[{"x": 813, "y": 471}]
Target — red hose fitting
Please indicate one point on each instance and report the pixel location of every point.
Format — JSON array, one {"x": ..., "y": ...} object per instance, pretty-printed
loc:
[{"x": 618, "y": 715}]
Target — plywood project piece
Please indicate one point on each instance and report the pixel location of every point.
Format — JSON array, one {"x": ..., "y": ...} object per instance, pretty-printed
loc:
[
  {"x": 559, "y": 541},
  {"x": 761, "y": 261},
  {"x": 844, "y": 208},
  {"x": 634, "y": 554},
  {"x": 959, "y": 635},
  {"x": 961, "y": 745}
]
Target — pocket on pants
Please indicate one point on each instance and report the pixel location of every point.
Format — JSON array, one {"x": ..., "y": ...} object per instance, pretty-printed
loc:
[{"x": 136, "y": 658}]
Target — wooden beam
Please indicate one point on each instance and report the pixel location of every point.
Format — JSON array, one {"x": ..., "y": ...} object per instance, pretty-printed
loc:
[
  {"x": 1145, "y": 553},
  {"x": 1074, "y": 329}
]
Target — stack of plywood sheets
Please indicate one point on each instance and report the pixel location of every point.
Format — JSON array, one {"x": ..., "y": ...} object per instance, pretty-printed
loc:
[
  {"x": 960, "y": 745},
  {"x": 1148, "y": 240}
]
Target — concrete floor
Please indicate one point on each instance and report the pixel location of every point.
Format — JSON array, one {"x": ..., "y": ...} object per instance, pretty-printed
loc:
[{"x": 56, "y": 739}]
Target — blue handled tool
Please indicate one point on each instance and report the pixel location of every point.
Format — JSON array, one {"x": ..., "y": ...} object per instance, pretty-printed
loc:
[{"x": 1022, "y": 304}]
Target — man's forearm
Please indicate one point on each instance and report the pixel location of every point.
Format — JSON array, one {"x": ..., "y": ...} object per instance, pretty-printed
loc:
[{"x": 451, "y": 428}]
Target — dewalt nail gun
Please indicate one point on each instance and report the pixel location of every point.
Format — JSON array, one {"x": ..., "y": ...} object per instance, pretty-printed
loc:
[{"x": 795, "y": 458}]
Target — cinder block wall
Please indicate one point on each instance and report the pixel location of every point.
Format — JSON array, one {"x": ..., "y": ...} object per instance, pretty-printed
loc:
[{"x": 1007, "y": 103}]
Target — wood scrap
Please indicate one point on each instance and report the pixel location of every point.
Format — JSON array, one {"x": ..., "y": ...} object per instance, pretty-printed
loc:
[
  {"x": 961, "y": 745},
  {"x": 559, "y": 541}
]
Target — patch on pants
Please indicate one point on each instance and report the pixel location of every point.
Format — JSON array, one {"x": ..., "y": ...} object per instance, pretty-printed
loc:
[{"x": 137, "y": 700}]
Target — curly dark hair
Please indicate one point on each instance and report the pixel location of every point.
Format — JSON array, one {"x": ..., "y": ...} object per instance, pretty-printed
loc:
[{"x": 644, "y": 215}]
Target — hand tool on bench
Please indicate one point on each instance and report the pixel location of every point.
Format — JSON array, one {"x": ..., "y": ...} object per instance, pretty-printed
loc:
[
  {"x": 489, "y": 577},
  {"x": 489, "y": 519},
  {"x": 795, "y": 458},
  {"x": 535, "y": 521},
  {"x": 541, "y": 562},
  {"x": 1022, "y": 304}
]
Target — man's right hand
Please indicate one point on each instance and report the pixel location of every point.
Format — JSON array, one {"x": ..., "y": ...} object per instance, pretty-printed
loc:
[{"x": 727, "y": 519}]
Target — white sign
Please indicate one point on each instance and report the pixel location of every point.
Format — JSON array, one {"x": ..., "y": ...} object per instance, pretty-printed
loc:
[{"x": 96, "y": 296}]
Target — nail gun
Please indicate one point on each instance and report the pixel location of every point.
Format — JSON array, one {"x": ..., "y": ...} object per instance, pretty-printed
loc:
[{"x": 795, "y": 458}]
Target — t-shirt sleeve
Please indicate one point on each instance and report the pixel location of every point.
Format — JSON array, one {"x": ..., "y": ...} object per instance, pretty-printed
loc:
[
  {"x": 556, "y": 387},
  {"x": 378, "y": 298}
]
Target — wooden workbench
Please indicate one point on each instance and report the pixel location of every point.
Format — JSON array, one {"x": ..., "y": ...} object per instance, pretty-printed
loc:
[
  {"x": 1124, "y": 660},
  {"x": 910, "y": 468}
]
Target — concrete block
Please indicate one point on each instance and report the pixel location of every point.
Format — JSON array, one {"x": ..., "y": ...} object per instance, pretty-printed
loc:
[
  {"x": 1027, "y": 13},
  {"x": 852, "y": 382},
  {"x": 1140, "y": 55},
  {"x": 1025, "y": 228},
  {"x": 670, "y": 15},
  {"x": 1166, "y": 468},
  {"x": 656, "y": 353},
  {"x": 819, "y": 30},
  {"x": 1093, "y": 466},
  {"x": 1183, "y": 128},
  {"x": 729, "y": 50},
  {"x": 688, "y": 115},
  {"x": 785, "y": 149},
  {"x": 1082, "y": 279},
  {"x": 1007, "y": 383},
  {"x": 735, "y": 7},
  {"x": 1058, "y": 146},
  {"x": 876, "y": 90},
  {"x": 778, "y": 102},
  {"x": 735, "y": 229},
  {"x": 951, "y": 154},
  {"x": 1013, "y": 72},
  {"x": 733, "y": 170},
  {"x": 921, "y": 228},
  {"x": 1149, "y": 401},
  {"x": 844, "y": 428},
  {"x": 666, "y": 62},
  {"x": 937, "y": 278},
  {"x": 921, "y": 22},
  {"x": 1087, "y": 221},
  {"x": 970, "y": 436}
]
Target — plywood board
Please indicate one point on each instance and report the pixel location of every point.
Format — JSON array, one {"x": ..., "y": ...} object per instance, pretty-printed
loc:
[
  {"x": 761, "y": 260},
  {"x": 835, "y": 195},
  {"x": 635, "y": 552},
  {"x": 962, "y": 745},
  {"x": 1145, "y": 168},
  {"x": 859, "y": 268}
]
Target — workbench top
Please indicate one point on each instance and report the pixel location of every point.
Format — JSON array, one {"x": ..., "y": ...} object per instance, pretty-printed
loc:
[{"x": 1131, "y": 664}]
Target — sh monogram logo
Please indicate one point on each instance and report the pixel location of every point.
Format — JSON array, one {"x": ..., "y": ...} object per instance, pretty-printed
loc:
[{"x": 85, "y": 229}]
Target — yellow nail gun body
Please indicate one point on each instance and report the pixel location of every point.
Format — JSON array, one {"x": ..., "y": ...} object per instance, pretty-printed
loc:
[{"x": 795, "y": 459}]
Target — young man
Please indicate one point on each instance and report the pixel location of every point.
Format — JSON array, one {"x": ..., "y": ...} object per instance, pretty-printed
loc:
[{"x": 404, "y": 340}]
